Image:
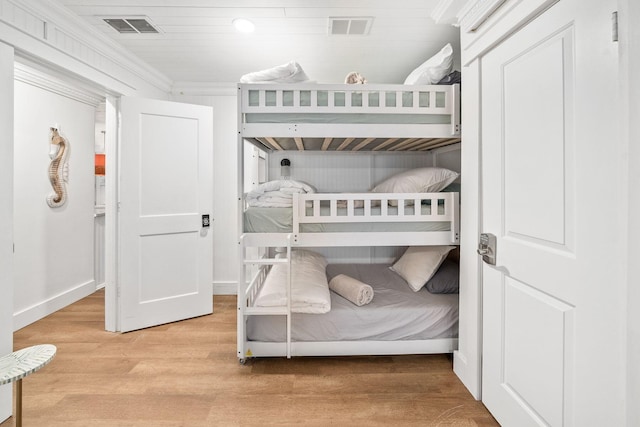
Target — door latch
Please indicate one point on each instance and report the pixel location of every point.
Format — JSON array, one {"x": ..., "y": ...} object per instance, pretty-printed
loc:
[{"x": 487, "y": 248}]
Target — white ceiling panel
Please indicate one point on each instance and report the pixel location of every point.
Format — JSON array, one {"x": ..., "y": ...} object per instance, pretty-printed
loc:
[{"x": 198, "y": 44}]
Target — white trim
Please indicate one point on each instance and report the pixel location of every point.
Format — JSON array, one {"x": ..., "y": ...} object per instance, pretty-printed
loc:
[
  {"x": 31, "y": 76},
  {"x": 225, "y": 288},
  {"x": 42, "y": 309},
  {"x": 349, "y": 348},
  {"x": 476, "y": 13},
  {"x": 111, "y": 307},
  {"x": 445, "y": 12},
  {"x": 7, "y": 281},
  {"x": 48, "y": 31},
  {"x": 467, "y": 362},
  {"x": 497, "y": 25},
  {"x": 629, "y": 37}
]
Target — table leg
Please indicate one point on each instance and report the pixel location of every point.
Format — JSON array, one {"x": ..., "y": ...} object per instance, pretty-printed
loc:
[{"x": 19, "y": 403}]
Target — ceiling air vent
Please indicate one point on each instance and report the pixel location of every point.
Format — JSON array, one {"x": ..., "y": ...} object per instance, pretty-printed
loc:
[
  {"x": 350, "y": 25},
  {"x": 137, "y": 25}
]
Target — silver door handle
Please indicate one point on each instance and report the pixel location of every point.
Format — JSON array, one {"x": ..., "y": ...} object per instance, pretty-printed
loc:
[{"x": 487, "y": 248}]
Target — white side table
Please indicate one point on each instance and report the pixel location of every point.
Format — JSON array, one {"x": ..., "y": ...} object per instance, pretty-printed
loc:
[{"x": 17, "y": 365}]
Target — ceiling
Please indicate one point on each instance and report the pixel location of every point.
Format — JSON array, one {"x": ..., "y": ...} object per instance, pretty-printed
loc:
[{"x": 197, "y": 42}]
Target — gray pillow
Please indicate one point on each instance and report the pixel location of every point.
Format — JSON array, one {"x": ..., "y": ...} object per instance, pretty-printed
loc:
[{"x": 446, "y": 280}]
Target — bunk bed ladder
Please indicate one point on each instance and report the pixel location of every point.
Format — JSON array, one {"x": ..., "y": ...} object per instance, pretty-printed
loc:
[{"x": 248, "y": 291}]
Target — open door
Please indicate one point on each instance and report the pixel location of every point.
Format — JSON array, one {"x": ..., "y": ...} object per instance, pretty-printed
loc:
[
  {"x": 165, "y": 243},
  {"x": 551, "y": 332}
]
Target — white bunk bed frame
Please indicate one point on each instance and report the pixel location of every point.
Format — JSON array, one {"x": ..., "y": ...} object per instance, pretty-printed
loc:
[{"x": 360, "y": 136}]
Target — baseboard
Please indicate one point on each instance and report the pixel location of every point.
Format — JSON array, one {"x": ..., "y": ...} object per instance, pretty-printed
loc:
[
  {"x": 462, "y": 369},
  {"x": 38, "y": 311},
  {"x": 225, "y": 288}
]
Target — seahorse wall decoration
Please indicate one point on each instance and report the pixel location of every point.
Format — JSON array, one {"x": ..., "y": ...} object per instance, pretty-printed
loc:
[{"x": 58, "y": 169}]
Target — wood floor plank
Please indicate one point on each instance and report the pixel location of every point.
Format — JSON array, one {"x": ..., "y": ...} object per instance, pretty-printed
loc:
[{"x": 187, "y": 374}]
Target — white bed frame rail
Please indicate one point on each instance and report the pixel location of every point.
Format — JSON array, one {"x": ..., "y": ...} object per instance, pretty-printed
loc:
[
  {"x": 349, "y": 99},
  {"x": 301, "y": 215}
]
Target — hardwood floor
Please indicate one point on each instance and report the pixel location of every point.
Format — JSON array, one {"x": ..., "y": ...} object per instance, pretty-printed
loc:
[{"x": 187, "y": 374}]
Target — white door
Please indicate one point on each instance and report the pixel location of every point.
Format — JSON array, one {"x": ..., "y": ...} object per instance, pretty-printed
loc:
[
  {"x": 551, "y": 156},
  {"x": 166, "y": 181}
]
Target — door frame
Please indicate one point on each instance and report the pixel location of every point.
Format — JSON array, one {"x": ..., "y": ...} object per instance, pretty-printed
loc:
[
  {"x": 629, "y": 36},
  {"x": 112, "y": 182},
  {"x": 467, "y": 361},
  {"x": 7, "y": 59},
  {"x": 474, "y": 43}
]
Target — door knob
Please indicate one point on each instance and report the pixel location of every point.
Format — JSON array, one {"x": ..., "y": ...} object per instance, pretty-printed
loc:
[{"x": 487, "y": 248}]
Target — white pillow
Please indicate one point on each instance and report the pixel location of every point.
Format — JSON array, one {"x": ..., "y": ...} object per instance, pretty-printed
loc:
[
  {"x": 433, "y": 69},
  {"x": 290, "y": 72},
  {"x": 419, "y": 263},
  {"x": 420, "y": 180},
  {"x": 309, "y": 285}
]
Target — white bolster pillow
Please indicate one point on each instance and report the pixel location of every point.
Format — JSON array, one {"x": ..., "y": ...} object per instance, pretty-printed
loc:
[{"x": 354, "y": 290}]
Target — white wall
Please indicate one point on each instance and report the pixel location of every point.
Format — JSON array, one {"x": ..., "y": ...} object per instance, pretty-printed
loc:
[
  {"x": 53, "y": 246},
  {"x": 346, "y": 172},
  {"x": 6, "y": 218},
  {"x": 225, "y": 194}
]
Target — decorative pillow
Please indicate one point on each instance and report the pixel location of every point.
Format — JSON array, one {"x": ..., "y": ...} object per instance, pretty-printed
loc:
[
  {"x": 433, "y": 69},
  {"x": 421, "y": 180},
  {"x": 446, "y": 280},
  {"x": 419, "y": 263}
]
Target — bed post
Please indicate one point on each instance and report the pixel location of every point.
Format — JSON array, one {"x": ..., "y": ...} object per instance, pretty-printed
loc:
[
  {"x": 289, "y": 296},
  {"x": 455, "y": 110},
  {"x": 241, "y": 286},
  {"x": 455, "y": 224}
]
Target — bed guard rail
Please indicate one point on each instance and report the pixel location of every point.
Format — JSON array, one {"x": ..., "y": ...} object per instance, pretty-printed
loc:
[
  {"x": 349, "y": 99},
  {"x": 327, "y": 208}
]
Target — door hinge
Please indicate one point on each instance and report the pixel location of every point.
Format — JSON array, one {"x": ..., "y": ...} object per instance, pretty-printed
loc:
[{"x": 614, "y": 26}]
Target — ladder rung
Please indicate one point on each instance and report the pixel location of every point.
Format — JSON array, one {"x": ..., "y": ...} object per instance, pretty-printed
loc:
[{"x": 265, "y": 311}]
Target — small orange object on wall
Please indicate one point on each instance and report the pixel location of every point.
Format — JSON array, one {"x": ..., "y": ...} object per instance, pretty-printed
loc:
[{"x": 100, "y": 164}]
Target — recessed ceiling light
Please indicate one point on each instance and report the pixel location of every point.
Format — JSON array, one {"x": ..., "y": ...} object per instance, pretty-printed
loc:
[{"x": 244, "y": 25}]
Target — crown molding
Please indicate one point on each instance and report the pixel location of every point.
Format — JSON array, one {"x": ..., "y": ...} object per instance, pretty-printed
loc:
[
  {"x": 31, "y": 76},
  {"x": 446, "y": 12},
  {"x": 475, "y": 12},
  {"x": 51, "y": 23}
]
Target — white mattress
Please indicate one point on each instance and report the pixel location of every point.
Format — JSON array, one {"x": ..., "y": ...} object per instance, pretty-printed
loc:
[
  {"x": 396, "y": 313},
  {"x": 280, "y": 220}
]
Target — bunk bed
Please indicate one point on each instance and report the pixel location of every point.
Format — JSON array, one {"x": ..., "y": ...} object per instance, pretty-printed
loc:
[{"x": 317, "y": 117}]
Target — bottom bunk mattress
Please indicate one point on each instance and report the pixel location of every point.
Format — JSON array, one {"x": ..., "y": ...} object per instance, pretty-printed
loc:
[
  {"x": 280, "y": 220},
  {"x": 395, "y": 313}
]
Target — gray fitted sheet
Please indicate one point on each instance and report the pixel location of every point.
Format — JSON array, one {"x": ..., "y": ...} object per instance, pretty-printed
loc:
[
  {"x": 396, "y": 313},
  {"x": 280, "y": 220}
]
